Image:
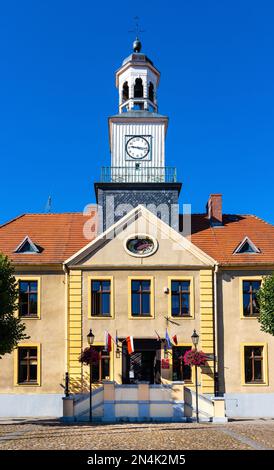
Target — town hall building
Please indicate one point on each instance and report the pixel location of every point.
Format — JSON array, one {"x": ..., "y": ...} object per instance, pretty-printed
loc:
[{"x": 142, "y": 277}]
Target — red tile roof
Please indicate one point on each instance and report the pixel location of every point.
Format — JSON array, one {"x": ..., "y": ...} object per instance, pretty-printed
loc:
[
  {"x": 58, "y": 235},
  {"x": 220, "y": 242},
  {"x": 61, "y": 235}
]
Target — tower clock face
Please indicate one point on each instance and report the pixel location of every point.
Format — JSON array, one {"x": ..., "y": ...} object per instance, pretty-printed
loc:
[{"x": 137, "y": 147}]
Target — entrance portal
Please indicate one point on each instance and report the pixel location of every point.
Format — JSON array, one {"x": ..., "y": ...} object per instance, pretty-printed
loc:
[{"x": 144, "y": 364}]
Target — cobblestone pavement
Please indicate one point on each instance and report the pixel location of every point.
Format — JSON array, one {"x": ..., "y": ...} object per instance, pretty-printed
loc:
[{"x": 50, "y": 434}]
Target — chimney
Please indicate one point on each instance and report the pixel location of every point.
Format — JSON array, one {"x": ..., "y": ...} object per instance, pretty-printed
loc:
[{"x": 214, "y": 209}]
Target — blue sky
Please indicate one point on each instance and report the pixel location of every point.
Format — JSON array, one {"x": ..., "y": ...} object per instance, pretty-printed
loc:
[{"x": 57, "y": 89}]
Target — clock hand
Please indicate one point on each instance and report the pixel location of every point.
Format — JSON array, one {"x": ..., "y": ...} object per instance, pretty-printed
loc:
[{"x": 134, "y": 147}]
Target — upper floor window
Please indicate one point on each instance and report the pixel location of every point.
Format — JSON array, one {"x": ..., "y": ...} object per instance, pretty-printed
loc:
[
  {"x": 27, "y": 365},
  {"x": 180, "y": 298},
  {"x": 141, "y": 298},
  {"x": 254, "y": 364},
  {"x": 180, "y": 371},
  {"x": 101, "y": 297},
  {"x": 138, "y": 88},
  {"x": 250, "y": 302},
  {"x": 28, "y": 298}
]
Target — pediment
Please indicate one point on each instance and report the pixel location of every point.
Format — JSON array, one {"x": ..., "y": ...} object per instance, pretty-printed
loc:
[{"x": 112, "y": 248}]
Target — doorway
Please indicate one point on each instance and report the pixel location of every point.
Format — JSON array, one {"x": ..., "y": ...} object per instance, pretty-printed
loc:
[{"x": 143, "y": 364}]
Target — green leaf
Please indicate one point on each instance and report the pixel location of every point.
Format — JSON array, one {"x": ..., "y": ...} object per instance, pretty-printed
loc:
[
  {"x": 12, "y": 330},
  {"x": 265, "y": 298}
]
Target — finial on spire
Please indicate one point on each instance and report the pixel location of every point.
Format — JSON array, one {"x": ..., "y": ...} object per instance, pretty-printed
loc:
[{"x": 137, "y": 45}]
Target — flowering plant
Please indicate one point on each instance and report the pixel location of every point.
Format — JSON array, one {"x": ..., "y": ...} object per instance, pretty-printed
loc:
[
  {"x": 89, "y": 356},
  {"x": 194, "y": 358}
]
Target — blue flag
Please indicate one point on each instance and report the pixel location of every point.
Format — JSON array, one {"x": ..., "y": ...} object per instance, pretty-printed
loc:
[{"x": 168, "y": 342}]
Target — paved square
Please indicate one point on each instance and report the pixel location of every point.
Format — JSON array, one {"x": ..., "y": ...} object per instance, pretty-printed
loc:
[{"x": 51, "y": 434}]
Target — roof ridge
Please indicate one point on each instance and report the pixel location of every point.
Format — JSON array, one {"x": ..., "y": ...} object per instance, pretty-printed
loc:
[
  {"x": 12, "y": 220},
  {"x": 261, "y": 220},
  {"x": 235, "y": 214},
  {"x": 53, "y": 213}
]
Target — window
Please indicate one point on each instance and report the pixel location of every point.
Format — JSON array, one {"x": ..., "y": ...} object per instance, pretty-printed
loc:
[
  {"x": 180, "y": 371},
  {"x": 250, "y": 302},
  {"x": 246, "y": 247},
  {"x": 27, "y": 365},
  {"x": 138, "y": 88},
  {"x": 180, "y": 298},
  {"x": 101, "y": 369},
  {"x": 27, "y": 247},
  {"x": 28, "y": 298},
  {"x": 141, "y": 297},
  {"x": 101, "y": 297},
  {"x": 253, "y": 364}
]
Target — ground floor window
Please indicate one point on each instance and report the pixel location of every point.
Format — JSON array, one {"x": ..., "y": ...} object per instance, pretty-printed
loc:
[
  {"x": 101, "y": 369},
  {"x": 28, "y": 365},
  {"x": 254, "y": 364},
  {"x": 180, "y": 371}
]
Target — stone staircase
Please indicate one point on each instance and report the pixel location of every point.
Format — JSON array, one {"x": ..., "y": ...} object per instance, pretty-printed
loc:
[{"x": 143, "y": 403}]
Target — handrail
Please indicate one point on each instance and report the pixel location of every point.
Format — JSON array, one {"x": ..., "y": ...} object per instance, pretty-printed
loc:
[{"x": 138, "y": 174}]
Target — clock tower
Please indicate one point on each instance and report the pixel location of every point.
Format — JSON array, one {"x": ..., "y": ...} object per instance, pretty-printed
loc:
[{"x": 138, "y": 174}]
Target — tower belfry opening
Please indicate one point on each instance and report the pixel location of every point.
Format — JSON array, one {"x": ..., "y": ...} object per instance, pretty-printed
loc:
[
  {"x": 138, "y": 88},
  {"x": 125, "y": 92}
]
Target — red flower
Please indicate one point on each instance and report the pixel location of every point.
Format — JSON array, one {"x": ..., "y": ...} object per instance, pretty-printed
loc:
[
  {"x": 195, "y": 358},
  {"x": 89, "y": 355}
]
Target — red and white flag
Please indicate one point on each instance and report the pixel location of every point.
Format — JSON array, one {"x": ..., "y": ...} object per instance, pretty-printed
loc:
[
  {"x": 130, "y": 345},
  {"x": 174, "y": 339},
  {"x": 108, "y": 340}
]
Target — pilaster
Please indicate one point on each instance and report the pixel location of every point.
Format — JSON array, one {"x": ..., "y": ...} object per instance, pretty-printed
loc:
[
  {"x": 207, "y": 329},
  {"x": 75, "y": 329}
]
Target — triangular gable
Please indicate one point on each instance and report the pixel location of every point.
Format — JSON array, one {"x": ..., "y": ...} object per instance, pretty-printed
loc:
[
  {"x": 246, "y": 247},
  {"x": 165, "y": 230},
  {"x": 27, "y": 247}
]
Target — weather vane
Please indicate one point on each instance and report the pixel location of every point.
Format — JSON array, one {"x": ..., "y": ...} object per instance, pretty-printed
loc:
[{"x": 137, "y": 28}]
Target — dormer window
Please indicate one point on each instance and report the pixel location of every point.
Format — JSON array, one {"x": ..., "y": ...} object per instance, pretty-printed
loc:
[
  {"x": 27, "y": 247},
  {"x": 246, "y": 247}
]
